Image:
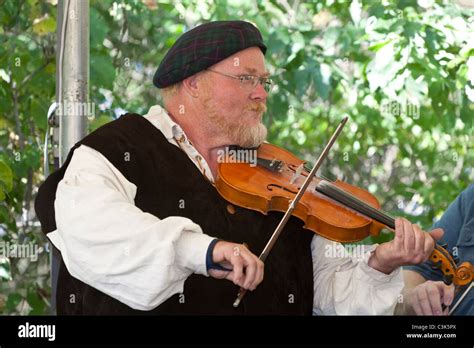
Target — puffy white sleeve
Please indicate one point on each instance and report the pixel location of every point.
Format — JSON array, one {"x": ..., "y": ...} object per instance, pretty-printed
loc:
[
  {"x": 113, "y": 246},
  {"x": 344, "y": 284}
]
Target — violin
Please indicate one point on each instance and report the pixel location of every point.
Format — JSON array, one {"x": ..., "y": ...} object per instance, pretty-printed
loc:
[
  {"x": 279, "y": 181},
  {"x": 335, "y": 210}
]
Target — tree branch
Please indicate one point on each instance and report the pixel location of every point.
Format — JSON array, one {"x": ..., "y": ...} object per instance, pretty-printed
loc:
[{"x": 30, "y": 76}]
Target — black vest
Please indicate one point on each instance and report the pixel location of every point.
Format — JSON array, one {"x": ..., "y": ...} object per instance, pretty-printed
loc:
[{"x": 165, "y": 179}]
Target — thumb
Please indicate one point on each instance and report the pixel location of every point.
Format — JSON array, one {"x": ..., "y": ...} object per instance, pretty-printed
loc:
[
  {"x": 448, "y": 294},
  {"x": 437, "y": 234}
]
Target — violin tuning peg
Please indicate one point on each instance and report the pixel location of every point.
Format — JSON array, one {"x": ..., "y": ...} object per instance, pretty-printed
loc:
[
  {"x": 436, "y": 265},
  {"x": 448, "y": 279}
]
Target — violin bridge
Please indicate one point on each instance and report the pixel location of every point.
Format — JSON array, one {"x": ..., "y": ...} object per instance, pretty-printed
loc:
[
  {"x": 273, "y": 165},
  {"x": 276, "y": 165},
  {"x": 297, "y": 173}
]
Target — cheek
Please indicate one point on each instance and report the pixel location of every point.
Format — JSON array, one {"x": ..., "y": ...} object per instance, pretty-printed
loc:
[
  {"x": 230, "y": 95},
  {"x": 234, "y": 106},
  {"x": 231, "y": 103}
]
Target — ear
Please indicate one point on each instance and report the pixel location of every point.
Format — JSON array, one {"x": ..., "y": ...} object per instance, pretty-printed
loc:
[{"x": 192, "y": 85}]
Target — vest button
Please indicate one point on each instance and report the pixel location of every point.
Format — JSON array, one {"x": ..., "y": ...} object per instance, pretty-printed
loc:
[{"x": 230, "y": 209}]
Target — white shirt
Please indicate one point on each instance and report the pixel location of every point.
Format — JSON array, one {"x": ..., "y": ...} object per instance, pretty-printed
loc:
[{"x": 110, "y": 244}]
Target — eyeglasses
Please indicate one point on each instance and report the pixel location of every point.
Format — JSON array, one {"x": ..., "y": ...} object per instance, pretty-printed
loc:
[{"x": 249, "y": 82}]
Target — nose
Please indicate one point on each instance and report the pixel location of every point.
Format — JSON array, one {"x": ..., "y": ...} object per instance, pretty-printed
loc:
[{"x": 259, "y": 93}]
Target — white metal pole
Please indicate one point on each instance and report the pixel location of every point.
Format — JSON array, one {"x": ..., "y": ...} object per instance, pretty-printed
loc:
[{"x": 72, "y": 93}]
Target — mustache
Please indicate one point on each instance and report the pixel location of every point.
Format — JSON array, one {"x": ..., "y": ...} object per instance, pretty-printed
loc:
[{"x": 258, "y": 107}]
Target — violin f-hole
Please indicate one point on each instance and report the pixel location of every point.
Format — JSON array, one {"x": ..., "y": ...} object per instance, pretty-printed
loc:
[{"x": 271, "y": 186}]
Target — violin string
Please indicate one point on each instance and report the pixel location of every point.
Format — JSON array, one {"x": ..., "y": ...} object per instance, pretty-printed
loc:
[
  {"x": 352, "y": 201},
  {"x": 355, "y": 203},
  {"x": 461, "y": 298},
  {"x": 326, "y": 179}
]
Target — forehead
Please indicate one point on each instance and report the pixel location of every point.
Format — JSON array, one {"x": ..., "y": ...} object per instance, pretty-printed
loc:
[{"x": 250, "y": 60}]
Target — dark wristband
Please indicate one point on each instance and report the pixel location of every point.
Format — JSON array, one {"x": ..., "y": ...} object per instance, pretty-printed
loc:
[{"x": 211, "y": 264}]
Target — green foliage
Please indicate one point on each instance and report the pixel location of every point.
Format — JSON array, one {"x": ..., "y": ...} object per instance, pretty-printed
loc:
[
  {"x": 27, "y": 85},
  {"x": 403, "y": 71},
  {"x": 6, "y": 180}
]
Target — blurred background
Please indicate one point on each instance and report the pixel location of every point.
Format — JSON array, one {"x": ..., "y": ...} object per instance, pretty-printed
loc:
[{"x": 402, "y": 70}]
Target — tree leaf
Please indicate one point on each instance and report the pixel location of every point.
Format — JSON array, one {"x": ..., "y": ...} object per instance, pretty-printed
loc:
[
  {"x": 13, "y": 301},
  {"x": 98, "y": 28},
  {"x": 44, "y": 25},
  {"x": 102, "y": 71},
  {"x": 6, "y": 176}
]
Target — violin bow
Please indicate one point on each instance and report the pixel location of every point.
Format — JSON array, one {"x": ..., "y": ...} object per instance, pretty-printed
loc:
[
  {"x": 292, "y": 204},
  {"x": 453, "y": 308}
]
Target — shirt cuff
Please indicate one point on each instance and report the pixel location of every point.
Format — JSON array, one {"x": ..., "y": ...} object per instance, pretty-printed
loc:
[
  {"x": 375, "y": 276},
  {"x": 191, "y": 251}
]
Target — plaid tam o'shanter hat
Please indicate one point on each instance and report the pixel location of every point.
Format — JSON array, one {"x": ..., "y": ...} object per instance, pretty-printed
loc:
[{"x": 204, "y": 46}]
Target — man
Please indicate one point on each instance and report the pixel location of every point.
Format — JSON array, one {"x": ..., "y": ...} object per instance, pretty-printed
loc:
[
  {"x": 425, "y": 293},
  {"x": 141, "y": 227}
]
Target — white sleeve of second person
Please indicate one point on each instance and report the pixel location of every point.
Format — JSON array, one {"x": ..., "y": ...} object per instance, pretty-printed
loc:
[
  {"x": 344, "y": 283},
  {"x": 110, "y": 244}
]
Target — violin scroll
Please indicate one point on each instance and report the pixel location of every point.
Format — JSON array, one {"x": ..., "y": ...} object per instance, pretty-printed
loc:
[{"x": 459, "y": 275}]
